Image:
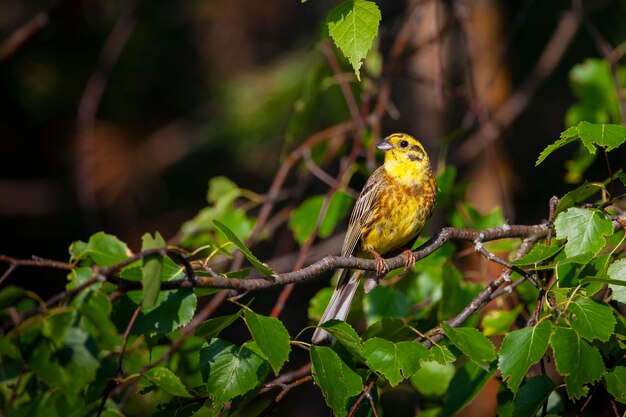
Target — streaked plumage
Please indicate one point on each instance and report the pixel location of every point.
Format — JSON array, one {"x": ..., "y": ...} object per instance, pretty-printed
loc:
[{"x": 390, "y": 212}]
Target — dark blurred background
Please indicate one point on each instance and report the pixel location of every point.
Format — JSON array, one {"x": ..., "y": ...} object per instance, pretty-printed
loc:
[{"x": 114, "y": 115}]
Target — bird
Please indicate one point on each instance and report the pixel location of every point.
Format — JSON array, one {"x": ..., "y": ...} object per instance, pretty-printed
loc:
[{"x": 390, "y": 212}]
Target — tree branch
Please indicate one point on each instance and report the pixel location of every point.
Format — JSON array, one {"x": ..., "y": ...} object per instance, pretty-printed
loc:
[
  {"x": 327, "y": 264},
  {"x": 331, "y": 263}
]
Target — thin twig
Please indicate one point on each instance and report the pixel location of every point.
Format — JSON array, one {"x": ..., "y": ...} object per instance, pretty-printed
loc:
[
  {"x": 281, "y": 177},
  {"x": 365, "y": 393},
  {"x": 517, "y": 103},
  {"x": 483, "y": 297},
  {"x": 186, "y": 332},
  {"x": 286, "y": 381},
  {"x": 438, "y": 70},
  {"x": 108, "y": 389},
  {"x": 534, "y": 318},
  {"x": 38, "y": 262},
  {"x": 29, "y": 29},
  {"x": 554, "y": 201},
  {"x": 348, "y": 96},
  {"x": 55, "y": 299},
  {"x": 14, "y": 391},
  {"x": 88, "y": 108},
  {"x": 8, "y": 272}
]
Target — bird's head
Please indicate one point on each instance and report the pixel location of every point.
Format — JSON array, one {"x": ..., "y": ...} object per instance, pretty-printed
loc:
[{"x": 405, "y": 150}]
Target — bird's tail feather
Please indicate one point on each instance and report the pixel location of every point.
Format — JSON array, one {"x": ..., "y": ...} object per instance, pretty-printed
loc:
[{"x": 339, "y": 304}]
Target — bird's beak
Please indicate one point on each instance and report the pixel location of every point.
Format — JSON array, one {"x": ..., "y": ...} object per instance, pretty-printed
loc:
[{"x": 384, "y": 145}]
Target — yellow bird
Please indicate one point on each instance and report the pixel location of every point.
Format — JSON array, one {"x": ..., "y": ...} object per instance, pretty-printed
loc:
[{"x": 390, "y": 212}]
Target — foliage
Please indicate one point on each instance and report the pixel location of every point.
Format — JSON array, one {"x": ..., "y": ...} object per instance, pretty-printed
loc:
[
  {"x": 65, "y": 350},
  {"x": 140, "y": 322},
  {"x": 353, "y": 25}
]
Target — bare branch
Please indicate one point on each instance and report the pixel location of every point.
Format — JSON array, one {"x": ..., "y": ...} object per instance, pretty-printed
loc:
[
  {"x": 331, "y": 263},
  {"x": 504, "y": 117},
  {"x": 88, "y": 108},
  {"x": 26, "y": 31}
]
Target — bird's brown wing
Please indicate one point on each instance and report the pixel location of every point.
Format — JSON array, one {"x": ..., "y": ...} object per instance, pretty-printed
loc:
[
  {"x": 347, "y": 284},
  {"x": 362, "y": 210}
]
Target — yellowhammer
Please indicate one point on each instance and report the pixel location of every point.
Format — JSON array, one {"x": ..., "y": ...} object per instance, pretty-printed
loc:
[{"x": 394, "y": 204}]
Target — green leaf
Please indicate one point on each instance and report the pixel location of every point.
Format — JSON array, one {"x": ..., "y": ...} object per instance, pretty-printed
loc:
[
  {"x": 70, "y": 364},
  {"x": 353, "y": 381},
  {"x": 335, "y": 379},
  {"x": 607, "y": 136},
  {"x": 239, "y": 274},
  {"x": 106, "y": 250},
  {"x": 569, "y": 136},
  {"x": 392, "y": 329},
  {"x": 617, "y": 272},
  {"x": 580, "y": 194},
  {"x": 568, "y": 270},
  {"x": 441, "y": 354},
  {"x": 167, "y": 381},
  {"x": 222, "y": 191},
  {"x": 496, "y": 322},
  {"x": 615, "y": 381},
  {"x": 468, "y": 381},
  {"x": 433, "y": 378},
  {"x": 174, "y": 309},
  {"x": 304, "y": 219},
  {"x": 201, "y": 231},
  {"x": 213, "y": 327},
  {"x": 592, "y": 82},
  {"x": 504, "y": 399},
  {"x": 175, "y": 407},
  {"x": 271, "y": 337},
  {"x": 578, "y": 361},
  {"x": 232, "y": 237},
  {"x": 520, "y": 349},
  {"x": 318, "y": 303},
  {"x": 592, "y": 319},
  {"x": 56, "y": 326},
  {"x": 394, "y": 361},
  {"x": 338, "y": 207},
  {"x": 467, "y": 216},
  {"x": 10, "y": 295},
  {"x": 532, "y": 395},
  {"x": 344, "y": 334},
  {"x": 96, "y": 308},
  {"x": 446, "y": 181},
  {"x": 452, "y": 297},
  {"x": 77, "y": 250},
  {"x": 472, "y": 343},
  {"x": 596, "y": 268},
  {"x": 584, "y": 230},
  {"x": 384, "y": 302},
  {"x": 230, "y": 370},
  {"x": 353, "y": 25},
  {"x": 539, "y": 253},
  {"x": 151, "y": 270}
]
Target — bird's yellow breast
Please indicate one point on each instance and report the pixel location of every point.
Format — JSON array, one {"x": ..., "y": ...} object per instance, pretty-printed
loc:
[{"x": 400, "y": 213}]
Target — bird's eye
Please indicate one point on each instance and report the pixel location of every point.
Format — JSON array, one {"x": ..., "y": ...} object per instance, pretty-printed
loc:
[{"x": 404, "y": 144}]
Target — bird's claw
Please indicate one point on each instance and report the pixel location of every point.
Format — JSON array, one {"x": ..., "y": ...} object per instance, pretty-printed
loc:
[
  {"x": 381, "y": 265},
  {"x": 409, "y": 259}
]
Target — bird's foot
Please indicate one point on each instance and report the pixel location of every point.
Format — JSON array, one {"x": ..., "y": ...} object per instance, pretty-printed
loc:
[
  {"x": 409, "y": 259},
  {"x": 381, "y": 265}
]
